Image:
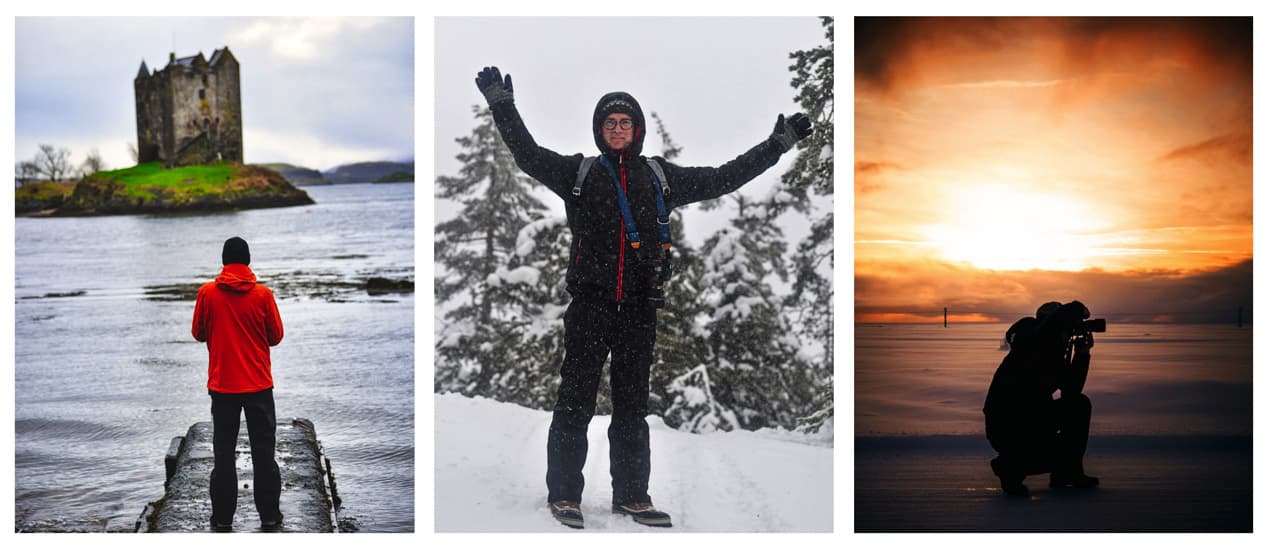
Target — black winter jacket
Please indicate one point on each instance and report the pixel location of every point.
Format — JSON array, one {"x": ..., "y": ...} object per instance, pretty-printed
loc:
[{"x": 602, "y": 264}]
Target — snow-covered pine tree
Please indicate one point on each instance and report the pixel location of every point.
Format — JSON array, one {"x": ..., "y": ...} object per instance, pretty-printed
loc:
[
  {"x": 811, "y": 175},
  {"x": 532, "y": 286},
  {"x": 753, "y": 364},
  {"x": 679, "y": 344},
  {"x": 480, "y": 350}
]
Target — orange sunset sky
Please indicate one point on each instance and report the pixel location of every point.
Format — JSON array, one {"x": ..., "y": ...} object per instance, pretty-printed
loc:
[{"x": 1002, "y": 163}]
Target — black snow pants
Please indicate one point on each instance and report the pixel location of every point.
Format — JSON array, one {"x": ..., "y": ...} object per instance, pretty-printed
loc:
[
  {"x": 593, "y": 329},
  {"x": 1052, "y": 439}
]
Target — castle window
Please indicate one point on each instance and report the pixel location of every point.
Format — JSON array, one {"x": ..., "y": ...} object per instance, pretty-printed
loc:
[{"x": 201, "y": 94}]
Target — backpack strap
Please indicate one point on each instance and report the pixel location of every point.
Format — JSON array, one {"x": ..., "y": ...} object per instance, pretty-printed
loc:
[
  {"x": 583, "y": 169},
  {"x": 661, "y": 175},
  {"x": 661, "y": 187}
]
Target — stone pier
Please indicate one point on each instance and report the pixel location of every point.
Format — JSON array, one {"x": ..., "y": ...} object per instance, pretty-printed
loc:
[{"x": 309, "y": 498}]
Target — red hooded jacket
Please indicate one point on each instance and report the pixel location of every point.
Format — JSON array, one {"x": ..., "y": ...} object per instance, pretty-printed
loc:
[{"x": 239, "y": 320}]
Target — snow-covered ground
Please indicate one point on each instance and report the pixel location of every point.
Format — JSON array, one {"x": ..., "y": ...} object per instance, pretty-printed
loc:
[{"x": 491, "y": 464}]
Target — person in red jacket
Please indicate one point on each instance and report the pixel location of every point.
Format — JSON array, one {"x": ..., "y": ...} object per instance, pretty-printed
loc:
[{"x": 239, "y": 320}]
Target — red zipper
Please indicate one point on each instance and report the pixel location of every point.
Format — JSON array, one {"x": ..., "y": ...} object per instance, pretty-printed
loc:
[{"x": 621, "y": 236}]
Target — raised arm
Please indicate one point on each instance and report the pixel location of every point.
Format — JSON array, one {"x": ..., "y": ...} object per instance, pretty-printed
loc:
[
  {"x": 555, "y": 171},
  {"x": 693, "y": 184},
  {"x": 1054, "y": 331}
]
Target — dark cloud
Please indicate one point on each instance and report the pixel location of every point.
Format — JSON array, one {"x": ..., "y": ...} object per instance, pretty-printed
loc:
[
  {"x": 1223, "y": 41},
  {"x": 887, "y": 49},
  {"x": 1154, "y": 296},
  {"x": 892, "y": 51}
]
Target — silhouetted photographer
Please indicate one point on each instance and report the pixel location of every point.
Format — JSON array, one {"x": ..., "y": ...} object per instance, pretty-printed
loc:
[{"x": 1033, "y": 432}]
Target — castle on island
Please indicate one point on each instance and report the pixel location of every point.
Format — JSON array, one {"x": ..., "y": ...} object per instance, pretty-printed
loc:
[{"x": 190, "y": 112}]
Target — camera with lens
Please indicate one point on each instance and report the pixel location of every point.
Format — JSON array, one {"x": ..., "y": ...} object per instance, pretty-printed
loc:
[
  {"x": 1097, "y": 325},
  {"x": 1083, "y": 332}
]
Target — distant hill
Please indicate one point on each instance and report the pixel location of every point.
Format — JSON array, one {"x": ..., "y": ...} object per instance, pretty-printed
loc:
[
  {"x": 300, "y": 176},
  {"x": 399, "y": 176},
  {"x": 373, "y": 171}
]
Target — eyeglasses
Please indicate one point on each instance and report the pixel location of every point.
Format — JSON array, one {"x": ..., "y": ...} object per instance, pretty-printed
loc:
[{"x": 610, "y": 124}]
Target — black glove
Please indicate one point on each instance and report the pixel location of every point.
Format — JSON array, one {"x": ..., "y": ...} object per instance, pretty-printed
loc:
[
  {"x": 789, "y": 131},
  {"x": 493, "y": 86}
]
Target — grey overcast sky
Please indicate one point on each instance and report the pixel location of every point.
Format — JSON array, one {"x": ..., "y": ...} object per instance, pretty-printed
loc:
[
  {"x": 717, "y": 83},
  {"x": 316, "y": 92}
]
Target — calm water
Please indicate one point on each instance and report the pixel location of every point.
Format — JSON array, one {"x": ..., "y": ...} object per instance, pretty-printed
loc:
[
  {"x": 107, "y": 373},
  {"x": 1144, "y": 379}
]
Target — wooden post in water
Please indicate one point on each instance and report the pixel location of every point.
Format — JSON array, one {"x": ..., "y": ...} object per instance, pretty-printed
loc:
[{"x": 945, "y": 317}]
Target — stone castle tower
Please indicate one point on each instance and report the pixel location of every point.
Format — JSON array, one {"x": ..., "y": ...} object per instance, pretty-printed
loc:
[{"x": 190, "y": 112}]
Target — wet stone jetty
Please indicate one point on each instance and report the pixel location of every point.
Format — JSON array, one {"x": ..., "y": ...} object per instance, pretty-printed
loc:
[{"x": 309, "y": 501}]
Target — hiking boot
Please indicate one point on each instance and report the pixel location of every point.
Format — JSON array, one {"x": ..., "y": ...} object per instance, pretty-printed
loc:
[
  {"x": 567, "y": 512},
  {"x": 643, "y": 512},
  {"x": 1078, "y": 481},
  {"x": 222, "y": 526}
]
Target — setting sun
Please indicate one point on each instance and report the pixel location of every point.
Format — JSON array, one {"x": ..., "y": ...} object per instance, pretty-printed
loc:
[{"x": 995, "y": 227}]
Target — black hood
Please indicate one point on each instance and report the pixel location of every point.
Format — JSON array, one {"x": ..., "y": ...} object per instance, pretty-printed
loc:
[{"x": 618, "y": 102}]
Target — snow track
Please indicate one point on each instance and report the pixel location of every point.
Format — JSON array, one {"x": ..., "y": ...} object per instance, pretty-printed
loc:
[{"x": 491, "y": 467}]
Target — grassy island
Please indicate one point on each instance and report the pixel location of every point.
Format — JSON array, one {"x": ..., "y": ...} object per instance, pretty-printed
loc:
[{"x": 150, "y": 188}]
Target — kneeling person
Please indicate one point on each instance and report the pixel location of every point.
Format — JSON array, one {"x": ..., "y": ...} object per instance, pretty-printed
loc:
[{"x": 1033, "y": 432}]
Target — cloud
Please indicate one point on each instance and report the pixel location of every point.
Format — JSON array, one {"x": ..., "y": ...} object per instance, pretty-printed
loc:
[
  {"x": 1010, "y": 84},
  {"x": 328, "y": 86},
  {"x": 867, "y": 175},
  {"x": 301, "y": 39},
  {"x": 1236, "y": 146},
  {"x": 894, "y": 54},
  {"x": 1213, "y": 295},
  {"x": 873, "y": 167}
]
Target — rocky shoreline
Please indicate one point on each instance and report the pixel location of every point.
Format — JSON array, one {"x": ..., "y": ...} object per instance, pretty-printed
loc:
[{"x": 333, "y": 288}]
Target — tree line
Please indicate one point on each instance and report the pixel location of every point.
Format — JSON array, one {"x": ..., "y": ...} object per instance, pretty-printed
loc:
[{"x": 53, "y": 164}]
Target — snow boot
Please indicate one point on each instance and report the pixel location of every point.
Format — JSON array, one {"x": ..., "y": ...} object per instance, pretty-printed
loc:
[
  {"x": 568, "y": 513},
  {"x": 643, "y": 513}
]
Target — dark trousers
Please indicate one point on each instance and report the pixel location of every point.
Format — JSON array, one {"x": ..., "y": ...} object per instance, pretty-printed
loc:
[
  {"x": 593, "y": 330},
  {"x": 1050, "y": 440},
  {"x": 261, "y": 419}
]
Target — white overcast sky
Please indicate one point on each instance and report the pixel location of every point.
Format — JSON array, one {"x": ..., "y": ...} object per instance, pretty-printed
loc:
[
  {"x": 717, "y": 83},
  {"x": 316, "y": 92}
]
